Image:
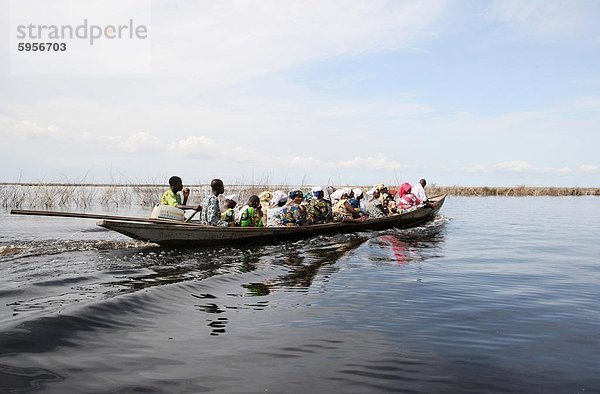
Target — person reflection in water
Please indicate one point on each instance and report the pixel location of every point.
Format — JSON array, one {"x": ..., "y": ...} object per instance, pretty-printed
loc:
[{"x": 398, "y": 248}]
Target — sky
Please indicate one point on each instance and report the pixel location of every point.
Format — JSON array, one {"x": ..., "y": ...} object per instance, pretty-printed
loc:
[{"x": 468, "y": 93}]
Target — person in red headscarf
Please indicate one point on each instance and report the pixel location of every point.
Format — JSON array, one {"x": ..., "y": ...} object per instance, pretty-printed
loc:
[{"x": 405, "y": 199}]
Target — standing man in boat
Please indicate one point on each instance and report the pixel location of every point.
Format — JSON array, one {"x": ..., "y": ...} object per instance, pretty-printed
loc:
[
  {"x": 171, "y": 197},
  {"x": 212, "y": 212}
]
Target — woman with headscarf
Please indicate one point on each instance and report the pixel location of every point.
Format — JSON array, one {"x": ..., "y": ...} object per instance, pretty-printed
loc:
[
  {"x": 343, "y": 211},
  {"x": 405, "y": 199},
  {"x": 296, "y": 201},
  {"x": 281, "y": 215},
  {"x": 265, "y": 198},
  {"x": 275, "y": 210},
  {"x": 319, "y": 210},
  {"x": 337, "y": 194},
  {"x": 375, "y": 207},
  {"x": 358, "y": 201}
]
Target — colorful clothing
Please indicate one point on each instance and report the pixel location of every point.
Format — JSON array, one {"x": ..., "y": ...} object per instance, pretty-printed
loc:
[
  {"x": 375, "y": 209},
  {"x": 228, "y": 216},
  {"x": 211, "y": 213},
  {"x": 171, "y": 198},
  {"x": 355, "y": 203},
  {"x": 408, "y": 201},
  {"x": 319, "y": 212},
  {"x": 340, "y": 212},
  {"x": 284, "y": 216},
  {"x": 405, "y": 188},
  {"x": 249, "y": 217},
  {"x": 275, "y": 217}
]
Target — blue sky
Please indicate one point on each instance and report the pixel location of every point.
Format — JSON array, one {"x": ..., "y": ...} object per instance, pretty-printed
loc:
[{"x": 495, "y": 93}]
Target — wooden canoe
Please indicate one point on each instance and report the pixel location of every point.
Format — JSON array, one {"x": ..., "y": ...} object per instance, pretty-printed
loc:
[{"x": 192, "y": 234}]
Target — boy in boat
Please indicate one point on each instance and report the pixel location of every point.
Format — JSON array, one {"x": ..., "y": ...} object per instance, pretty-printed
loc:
[
  {"x": 171, "y": 197},
  {"x": 211, "y": 214},
  {"x": 251, "y": 214},
  {"x": 230, "y": 203}
]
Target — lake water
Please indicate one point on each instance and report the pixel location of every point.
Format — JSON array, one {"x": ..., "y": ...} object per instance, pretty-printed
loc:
[{"x": 495, "y": 295}]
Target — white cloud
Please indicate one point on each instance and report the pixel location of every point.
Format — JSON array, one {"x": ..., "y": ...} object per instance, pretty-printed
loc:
[
  {"x": 589, "y": 168},
  {"x": 377, "y": 163},
  {"x": 476, "y": 168},
  {"x": 27, "y": 128},
  {"x": 140, "y": 141},
  {"x": 199, "y": 147},
  {"x": 564, "y": 171},
  {"x": 514, "y": 166},
  {"x": 226, "y": 41},
  {"x": 546, "y": 20}
]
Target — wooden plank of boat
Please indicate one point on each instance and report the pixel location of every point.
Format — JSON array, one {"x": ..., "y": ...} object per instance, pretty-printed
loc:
[
  {"x": 187, "y": 234},
  {"x": 89, "y": 216}
]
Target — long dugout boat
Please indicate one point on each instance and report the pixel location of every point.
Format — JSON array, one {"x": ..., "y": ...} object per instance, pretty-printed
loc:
[{"x": 171, "y": 233}]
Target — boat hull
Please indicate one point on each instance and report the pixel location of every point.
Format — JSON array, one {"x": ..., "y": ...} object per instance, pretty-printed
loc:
[{"x": 191, "y": 234}]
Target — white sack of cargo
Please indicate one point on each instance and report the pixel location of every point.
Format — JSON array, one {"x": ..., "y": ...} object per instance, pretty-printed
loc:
[{"x": 167, "y": 212}]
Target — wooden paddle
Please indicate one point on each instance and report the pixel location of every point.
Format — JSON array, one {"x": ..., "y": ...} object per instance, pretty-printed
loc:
[{"x": 193, "y": 214}]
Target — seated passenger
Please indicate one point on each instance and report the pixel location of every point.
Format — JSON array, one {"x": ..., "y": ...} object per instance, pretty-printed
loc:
[
  {"x": 405, "y": 199},
  {"x": 229, "y": 214},
  {"x": 382, "y": 188},
  {"x": 281, "y": 215},
  {"x": 319, "y": 210},
  {"x": 212, "y": 213},
  {"x": 171, "y": 197},
  {"x": 419, "y": 190},
  {"x": 357, "y": 201},
  {"x": 265, "y": 197},
  {"x": 296, "y": 199},
  {"x": 275, "y": 210},
  {"x": 250, "y": 215},
  {"x": 389, "y": 206},
  {"x": 327, "y": 192},
  {"x": 375, "y": 207},
  {"x": 343, "y": 211},
  {"x": 337, "y": 195}
]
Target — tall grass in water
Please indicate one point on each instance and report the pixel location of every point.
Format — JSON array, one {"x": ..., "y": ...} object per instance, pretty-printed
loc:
[
  {"x": 516, "y": 191},
  {"x": 82, "y": 197},
  {"x": 12, "y": 196},
  {"x": 147, "y": 195}
]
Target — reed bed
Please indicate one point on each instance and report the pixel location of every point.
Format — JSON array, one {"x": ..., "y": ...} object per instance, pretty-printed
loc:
[
  {"x": 83, "y": 196},
  {"x": 515, "y": 191}
]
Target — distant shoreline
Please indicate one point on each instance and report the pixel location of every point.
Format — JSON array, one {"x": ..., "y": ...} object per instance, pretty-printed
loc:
[{"x": 467, "y": 191}]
